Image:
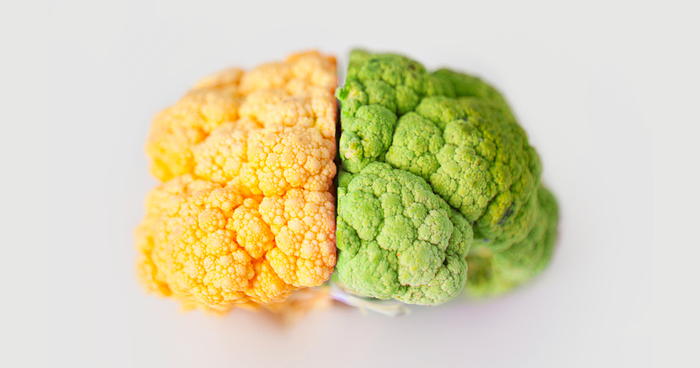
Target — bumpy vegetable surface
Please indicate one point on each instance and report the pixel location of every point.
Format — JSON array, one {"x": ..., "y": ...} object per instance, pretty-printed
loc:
[
  {"x": 397, "y": 239},
  {"x": 452, "y": 130},
  {"x": 245, "y": 214},
  {"x": 496, "y": 273}
]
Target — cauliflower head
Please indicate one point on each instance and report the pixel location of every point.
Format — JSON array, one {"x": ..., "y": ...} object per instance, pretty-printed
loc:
[
  {"x": 397, "y": 239},
  {"x": 245, "y": 213}
]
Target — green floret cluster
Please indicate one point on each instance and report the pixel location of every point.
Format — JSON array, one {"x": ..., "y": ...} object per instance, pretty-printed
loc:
[
  {"x": 400, "y": 240},
  {"x": 492, "y": 273},
  {"x": 453, "y": 136}
]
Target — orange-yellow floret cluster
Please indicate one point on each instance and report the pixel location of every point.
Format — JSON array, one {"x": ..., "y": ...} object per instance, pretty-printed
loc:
[{"x": 244, "y": 215}]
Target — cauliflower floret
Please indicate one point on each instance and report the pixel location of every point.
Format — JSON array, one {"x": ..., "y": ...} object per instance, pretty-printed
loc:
[
  {"x": 282, "y": 158},
  {"x": 220, "y": 156},
  {"x": 178, "y": 128},
  {"x": 304, "y": 226},
  {"x": 493, "y": 273},
  {"x": 206, "y": 242},
  {"x": 397, "y": 239}
]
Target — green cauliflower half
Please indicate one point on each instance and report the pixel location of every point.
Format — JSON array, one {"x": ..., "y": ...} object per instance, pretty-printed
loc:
[
  {"x": 399, "y": 240},
  {"x": 453, "y": 131}
]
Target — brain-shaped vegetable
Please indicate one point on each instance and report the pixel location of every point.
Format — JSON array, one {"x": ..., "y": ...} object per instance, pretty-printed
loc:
[
  {"x": 439, "y": 188},
  {"x": 245, "y": 214},
  {"x": 397, "y": 239}
]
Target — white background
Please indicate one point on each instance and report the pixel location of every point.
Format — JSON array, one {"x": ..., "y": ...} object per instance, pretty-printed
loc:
[{"x": 607, "y": 91}]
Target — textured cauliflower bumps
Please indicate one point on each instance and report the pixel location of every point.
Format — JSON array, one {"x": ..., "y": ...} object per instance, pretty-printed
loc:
[
  {"x": 206, "y": 246},
  {"x": 245, "y": 214},
  {"x": 493, "y": 273},
  {"x": 397, "y": 239},
  {"x": 452, "y": 130}
]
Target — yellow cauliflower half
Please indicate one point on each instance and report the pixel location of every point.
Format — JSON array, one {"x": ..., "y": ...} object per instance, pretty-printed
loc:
[{"x": 245, "y": 213}]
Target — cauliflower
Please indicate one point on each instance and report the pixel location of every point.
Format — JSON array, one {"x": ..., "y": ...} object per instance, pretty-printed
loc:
[
  {"x": 397, "y": 239},
  {"x": 453, "y": 131},
  {"x": 492, "y": 273},
  {"x": 439, "y": 188},
  {"x": 244, "y": 215}
]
